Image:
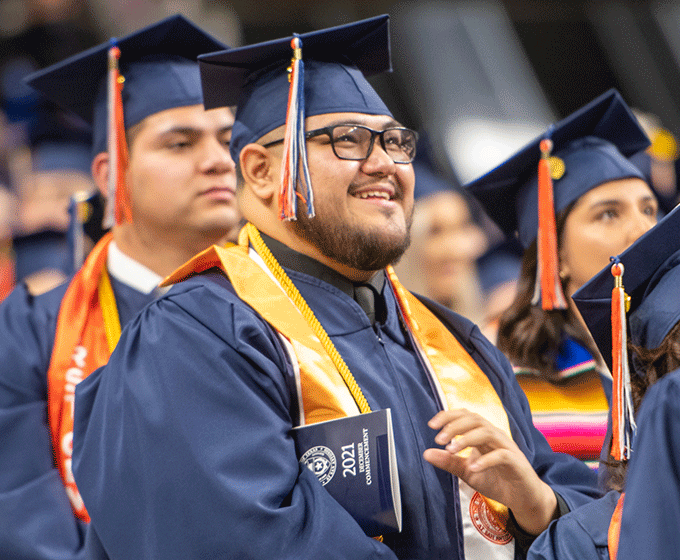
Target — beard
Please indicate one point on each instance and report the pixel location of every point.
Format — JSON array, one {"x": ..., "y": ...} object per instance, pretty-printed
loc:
[{"x": 360, "y": 248}]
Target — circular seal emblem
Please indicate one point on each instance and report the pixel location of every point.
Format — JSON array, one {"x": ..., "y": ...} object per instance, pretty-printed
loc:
[
  {"x": 321, "y": 461},
  {"x": 486, "y": 522}
]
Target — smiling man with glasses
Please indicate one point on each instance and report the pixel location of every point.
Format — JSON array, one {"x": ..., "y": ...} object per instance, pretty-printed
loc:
[{"x": 305, "y": 321}]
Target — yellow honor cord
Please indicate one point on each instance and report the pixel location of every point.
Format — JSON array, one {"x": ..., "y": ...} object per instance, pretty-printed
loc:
[
  {"x": 107, "y": 301},
  {"x": 299, "y": 302}
]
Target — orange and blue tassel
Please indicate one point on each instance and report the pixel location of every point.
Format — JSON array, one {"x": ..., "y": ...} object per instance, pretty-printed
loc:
[
  {"x": 294, "y": 169},
  {"x": 118, "y": 202},
  {"x": 623, "y": 417},
  {"x": 548, "y": 289}
]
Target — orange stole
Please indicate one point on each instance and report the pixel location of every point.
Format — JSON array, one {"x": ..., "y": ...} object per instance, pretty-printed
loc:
[
  {"x": 324, "y": 393},
  {"x": 80, "y": 347},
  {"x": 460, "y": 381},
  {"x": 615, "y": 529}
]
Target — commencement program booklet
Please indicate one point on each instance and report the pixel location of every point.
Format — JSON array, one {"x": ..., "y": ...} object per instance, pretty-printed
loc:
[{"x": 354, "y": 458}]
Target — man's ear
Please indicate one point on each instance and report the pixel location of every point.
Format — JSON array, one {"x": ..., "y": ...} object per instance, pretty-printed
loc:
[
  {"x": 260, "y": 171},
  {"x": 100, "y": 172}
]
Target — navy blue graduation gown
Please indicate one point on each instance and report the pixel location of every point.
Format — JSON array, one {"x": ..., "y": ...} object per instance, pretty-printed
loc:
[
  {"x": 579, "y": 535},
  {"x": 182, "y": 445},
  {"x": 650, "y": 524},
  {"x": 36, "y": 519}
]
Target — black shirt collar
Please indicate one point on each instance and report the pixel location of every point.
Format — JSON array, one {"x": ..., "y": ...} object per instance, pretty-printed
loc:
[{"x": 292, "y": 260}]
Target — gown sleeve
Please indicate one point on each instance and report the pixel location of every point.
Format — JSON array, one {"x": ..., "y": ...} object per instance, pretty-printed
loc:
[
  {"x": 579, "y": 535},
  {"x": 37, "y": 519},
  {"x": 182, "y": 445}
]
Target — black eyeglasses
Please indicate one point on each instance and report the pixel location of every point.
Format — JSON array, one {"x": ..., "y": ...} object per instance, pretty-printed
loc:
[{"x": 355, "y": 142}]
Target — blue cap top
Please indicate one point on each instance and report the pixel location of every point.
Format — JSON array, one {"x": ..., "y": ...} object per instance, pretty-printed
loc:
[
  {"x": 157, "y": 62},
  {"x": 47, "y": 249},
  {"x": 428, "y": 183},
  {"x": 500, "y": 264},
  {"x": 651, "y": 278},
  {"x": 336, "y": 61},
  {"x": 593, "y": 143}
]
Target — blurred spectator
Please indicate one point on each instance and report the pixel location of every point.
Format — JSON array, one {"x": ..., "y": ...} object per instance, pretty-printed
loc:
[
  {"x": 499, "y": 270},
  {"x": 54, "y": 168},
  {"x": 659, "y": 162},
  {"x": 446, "y": 241}
]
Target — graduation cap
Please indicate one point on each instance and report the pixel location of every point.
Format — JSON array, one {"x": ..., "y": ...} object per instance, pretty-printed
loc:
[
  {"x": 159, "y": 72},
  {"x": 59, "y": 141},
  {"x": 500, "y": 264},
  {"x": 47, "y": 249},
  {"x": 157, "y": 62},
  {"x": 650, "y": 277},
  {"x": 327, "y": 71},
  {"x": 586, "y": 149},
  {"x": 86, "y": 214},
  {"x": 429, "y": 183}
]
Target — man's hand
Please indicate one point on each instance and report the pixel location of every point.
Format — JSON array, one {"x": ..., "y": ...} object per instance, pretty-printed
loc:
[{"x": 489, "y": 461}]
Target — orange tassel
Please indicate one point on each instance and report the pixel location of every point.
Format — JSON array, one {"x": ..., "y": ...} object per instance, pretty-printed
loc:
[
  {"x": 118, "y": 207},
  {"x": 548, "y": 287},
  {"x": 7, "y": 279},
  {"x": 623, "y": 421},
  {"x": 615, "y": 529}
]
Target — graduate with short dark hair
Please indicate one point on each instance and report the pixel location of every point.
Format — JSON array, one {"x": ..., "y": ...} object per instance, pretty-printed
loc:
[
  {"x": 183, "y": 443},
  {"x": 171, "y": 191}
]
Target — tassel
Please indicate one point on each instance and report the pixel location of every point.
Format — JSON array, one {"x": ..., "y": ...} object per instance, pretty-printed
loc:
[
  {"x": 623, "y": 418},
  {"x": 294, "y": 168},
  {"x": 118, "y": 202},
  {"x": 7, "y": 269},
  {"x": 548, "y": 289},
  {"x": 76, "y": 233}
]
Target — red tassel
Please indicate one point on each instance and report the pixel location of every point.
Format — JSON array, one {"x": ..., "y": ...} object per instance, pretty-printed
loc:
[
  {"x": 548, "y": 287},
  {"x": 7, "y": 279},
  {"x": 118, "y": 207},
  {"x": 623, "y": 421}
]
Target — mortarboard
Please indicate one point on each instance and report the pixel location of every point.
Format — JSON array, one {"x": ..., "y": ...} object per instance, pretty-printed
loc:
[
  {"x": 157, "y": 62},
  {"x": 650, "y": 278},
  {"x": 59, "y": 141},
  {"x": 429, "y": 183},
  {"x": 159, "y": 72},
  {"x": 328, "y": 75},
  {"x": 593, "y": 143},
  {"x": 47, "y": 249},
  {"x": 499, "y": 264}
]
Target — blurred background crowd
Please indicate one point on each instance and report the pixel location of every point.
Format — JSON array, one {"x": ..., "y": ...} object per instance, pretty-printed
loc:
[{"x": 478, "y": 79}]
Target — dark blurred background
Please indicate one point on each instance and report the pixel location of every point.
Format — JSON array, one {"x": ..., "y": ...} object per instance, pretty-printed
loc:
[{"x": 478, "y": 79}]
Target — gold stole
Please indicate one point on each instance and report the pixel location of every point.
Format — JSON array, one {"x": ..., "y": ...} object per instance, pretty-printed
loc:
[
  {"x": 88, "y": 329},
  {"x": 325, "y": 393}
]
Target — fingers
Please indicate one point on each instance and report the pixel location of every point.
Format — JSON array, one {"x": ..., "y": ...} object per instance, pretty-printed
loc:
[
  {"x": 453, "y": 423},
  {"x": 446, "y": 461},
  {"x": 459, "y": 429},
  {"x": 463, "y": 466}
]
